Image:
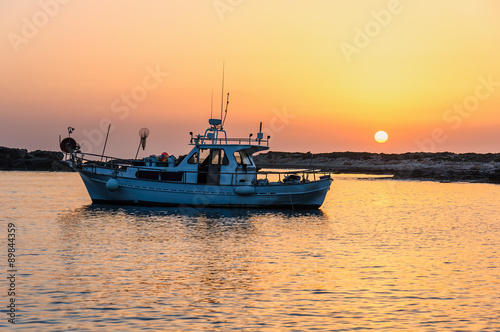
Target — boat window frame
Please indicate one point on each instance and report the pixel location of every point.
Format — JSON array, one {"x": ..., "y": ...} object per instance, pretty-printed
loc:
[
  {"x": 220, "y": 157},
  {"x": 242, "y": 158},
  {"x": 225, "y": 159}
]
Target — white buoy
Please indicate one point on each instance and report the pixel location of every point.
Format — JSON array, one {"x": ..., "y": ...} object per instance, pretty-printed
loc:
[
  {"x": 244, "y": 190},
  {"x": 112, "y": 185}
]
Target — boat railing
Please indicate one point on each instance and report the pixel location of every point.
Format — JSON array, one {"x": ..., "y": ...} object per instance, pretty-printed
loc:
[
  {"x": 225, "y": 141},
  {"x": 261, "y": 176},
  {"x": 216, "y": 135},
  {"x": 308, "y": 175},
  {"x": 80, "y": 158}
]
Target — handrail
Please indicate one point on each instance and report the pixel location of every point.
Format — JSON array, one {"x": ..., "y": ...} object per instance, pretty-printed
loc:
[
  {"x": 224, "y": 141},
  {"x": 107, "y": 158},
  {"x": 114, "y": 164}
]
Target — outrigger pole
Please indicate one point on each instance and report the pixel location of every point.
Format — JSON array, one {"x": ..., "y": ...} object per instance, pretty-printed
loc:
[
  {"x": 143, "y": 134},
  {"x": 138, "y": 148},
  {"x": 105, "y": 142}
]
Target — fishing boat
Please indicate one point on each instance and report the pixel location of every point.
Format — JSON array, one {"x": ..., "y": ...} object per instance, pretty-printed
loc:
[{"x": 218, "y": 172}]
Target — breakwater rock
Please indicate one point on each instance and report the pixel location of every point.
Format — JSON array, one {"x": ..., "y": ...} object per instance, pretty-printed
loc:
[
  {"x": 442, "y": 166},
  {"x": 21, "y": 160}
]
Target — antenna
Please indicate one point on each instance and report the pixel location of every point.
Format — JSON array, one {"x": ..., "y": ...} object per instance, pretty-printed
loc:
[
  {"x": 260, "y": 135},
  {"x": 225, "y": 114},
  {"x": 222, "y": 94}
]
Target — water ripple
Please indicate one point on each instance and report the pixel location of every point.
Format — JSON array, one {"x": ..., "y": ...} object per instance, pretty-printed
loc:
[{"x": 379, "y": 255}]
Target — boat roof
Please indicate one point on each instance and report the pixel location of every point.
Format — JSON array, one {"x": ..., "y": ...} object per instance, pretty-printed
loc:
[{"x": 249, "y": 148}]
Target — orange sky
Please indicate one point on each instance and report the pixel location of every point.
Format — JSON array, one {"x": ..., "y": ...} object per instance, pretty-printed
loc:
[{"x": 321, "y": 75}]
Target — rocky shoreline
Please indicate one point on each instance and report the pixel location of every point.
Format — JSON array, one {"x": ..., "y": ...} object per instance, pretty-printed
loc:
[
  {"x": 12, "y": 159},
  {"x": 442, "y": 166}
]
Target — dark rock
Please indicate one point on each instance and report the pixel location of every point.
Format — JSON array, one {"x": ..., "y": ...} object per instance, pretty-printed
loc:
[
  {"x": 21, "y": 160},
  {"x": 441, "y": 166},
  {"x": 54, "y": 155},
  {"x": 8, "y": 153},
  {"x": 495, "y": 177}
]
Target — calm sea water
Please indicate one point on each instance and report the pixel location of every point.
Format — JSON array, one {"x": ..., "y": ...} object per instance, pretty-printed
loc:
[{"x": 379, "y": 255}]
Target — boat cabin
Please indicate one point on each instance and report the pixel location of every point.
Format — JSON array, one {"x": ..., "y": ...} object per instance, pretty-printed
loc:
[{"x": 214, "y": 160}]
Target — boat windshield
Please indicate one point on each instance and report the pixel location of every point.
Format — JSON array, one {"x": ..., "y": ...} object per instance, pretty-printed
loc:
[
  {"x": 242, "y": 158},
  {"x": 193, "y": 159}
]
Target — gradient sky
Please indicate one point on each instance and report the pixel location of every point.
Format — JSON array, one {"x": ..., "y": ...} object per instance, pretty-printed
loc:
[{"x": 322, "y": 75}]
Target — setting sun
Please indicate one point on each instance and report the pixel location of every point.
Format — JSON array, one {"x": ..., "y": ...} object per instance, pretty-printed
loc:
[{"x": 381, "y": 136}]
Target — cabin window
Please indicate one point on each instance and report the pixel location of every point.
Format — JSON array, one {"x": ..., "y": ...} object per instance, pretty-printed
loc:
[
  {"x": 218, "y": 155},
  {"x": 215, "y": 157},
  {"x": 242, "y": 158},
  {"x": 204, "y": 154},
  {"x": 237, "y": 157},
  {"x": 193, "y": 159},
  {"x": 149, "y": 175},
  {"x": 171, "y": 176}
]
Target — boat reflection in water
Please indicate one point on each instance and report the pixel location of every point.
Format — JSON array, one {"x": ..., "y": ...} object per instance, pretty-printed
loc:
[{"x": 172, "y": 259}]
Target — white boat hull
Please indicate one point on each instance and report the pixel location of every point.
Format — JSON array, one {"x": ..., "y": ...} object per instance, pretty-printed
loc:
[{"x": 308, "y": 195}]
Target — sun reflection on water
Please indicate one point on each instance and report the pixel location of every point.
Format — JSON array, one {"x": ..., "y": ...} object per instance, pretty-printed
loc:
[{"x": 381, "y": 254}]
